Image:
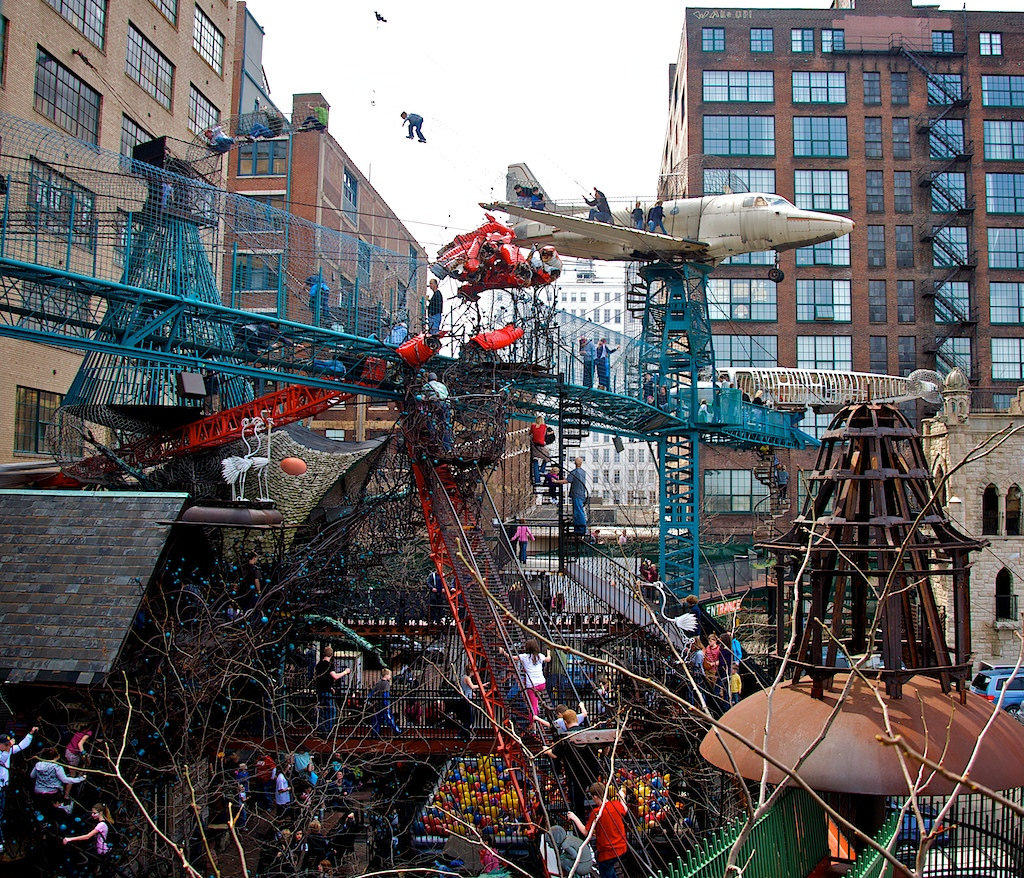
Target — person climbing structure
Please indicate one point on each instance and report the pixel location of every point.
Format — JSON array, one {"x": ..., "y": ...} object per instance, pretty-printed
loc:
[{"x": 415, "y": 123}]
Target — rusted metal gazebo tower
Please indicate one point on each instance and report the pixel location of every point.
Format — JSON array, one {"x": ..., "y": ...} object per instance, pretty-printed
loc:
[{"x": 871, "y": 539}]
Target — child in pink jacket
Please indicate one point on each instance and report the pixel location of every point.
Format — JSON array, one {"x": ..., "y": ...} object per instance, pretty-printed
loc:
[{"x": 523, "y": 536}]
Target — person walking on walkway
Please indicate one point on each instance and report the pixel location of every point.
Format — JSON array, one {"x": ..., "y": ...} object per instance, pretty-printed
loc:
[{"x": 324, "y": 678}]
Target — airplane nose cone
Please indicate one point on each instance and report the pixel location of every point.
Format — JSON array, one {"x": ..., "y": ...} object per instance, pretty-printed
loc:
[{"x": 818, "y": 227}]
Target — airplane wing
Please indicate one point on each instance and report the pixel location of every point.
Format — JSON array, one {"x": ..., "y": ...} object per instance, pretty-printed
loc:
[{"x": 638, "y": 240}]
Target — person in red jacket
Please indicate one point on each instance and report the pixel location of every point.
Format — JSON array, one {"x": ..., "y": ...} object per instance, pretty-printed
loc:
[{"x": 610, "y": 829}]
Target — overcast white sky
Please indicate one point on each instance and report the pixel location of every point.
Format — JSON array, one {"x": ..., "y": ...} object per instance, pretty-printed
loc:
[{"x": 576, "y": 89}]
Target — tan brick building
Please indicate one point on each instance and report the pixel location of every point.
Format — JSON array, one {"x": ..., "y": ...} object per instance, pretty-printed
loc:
[
  {"x": 112, "y": 72},
  {"x": 910, "y": 121}
]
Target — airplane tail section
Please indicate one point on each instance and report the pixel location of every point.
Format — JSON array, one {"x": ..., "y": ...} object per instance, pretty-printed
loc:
[{"x": 519, "y": 174}]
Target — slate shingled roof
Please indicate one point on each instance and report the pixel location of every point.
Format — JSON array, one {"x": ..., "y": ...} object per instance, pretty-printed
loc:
[{"x": 73, "y": 568}]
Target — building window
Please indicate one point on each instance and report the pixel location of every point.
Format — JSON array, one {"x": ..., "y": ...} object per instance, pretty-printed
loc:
[
  {"x": 877, "y": 310},
  {"x": 149, "y": 67},
  {"x": 990, "y": 510},
  {"x": 65, "y": 99},
  {"x": 902, "y": 192},
  {"x": 949, "y": 192},
  {"x": 1004, "y": 141},
  {"x": 132, "y": 135},
  {"x": 1006, "y": 303},
  {"x": 717, "y": 180},
  {"x": 1006, "y": 248},
  {"x": 819, "y": 136},
  {"x": 801, "y": 39},
  {"x": 208, "y": 41},
  {"x": 874, "y": 192},
  {"x": 88, "y": 16},
  {"x": 1012, "y": 515},
  {"x": 759, "y": 257},
  {"x": 752, "y": 86},
  {"x": 264, "y": 158},
  {"x": 907, "y": 354},
  {"x": 942, "y": 41},
  {"x": 350, "y": 196},
  {"x": 949, "y": 247},
  {"x": 270, "y": 218},
  {"x": 257, "y": 272},
  {"x": 904, "y": 246},
  {"x": 712, "y": 39},
  {"x": 733, "y": 490},
  {"x": 60, "y": 206},
  {"x": 814, "y": 424},
  {"x": 1001, "y": 401},
  {"x": 1004, "y": 193},
  {"x": 202, "y": 112},
  {"x": 746, "y": 350},
  {"x": 1002, "y": 91},
  {"x": 872, "y": 88},
  {"x": 169, "y": 8},
  {"x": 834, "y": 252},
  {"x": 905, "y": 311},
  {"x": 955, "y": 353},
  {"x": 3, "y": 49},
  {"x": 873, "y": 137},
  {"x": 762, "y": 39},
  {"x": 739, "y": 135},
  {"x": 990, "y": 43},
  {"x": 878, "y": 354},
  {"x": 1007, "y": 359},
  {"x": 822, "y": 190},
  {"x": 834, "y": 352},
  {"x": 833, "y": 40},
  {"x": 946, "y": 140},
  {"x": 823, "y": 300},
  {"x": 876, "y": 246},
  {"x": 952, "y": 302},
  {"x": 34, "y": 412},
  {"x": 819, "y": 88},
  {"x": 944, "y": 88},
  {"x": 1006, "y": 600},
  {"x": 900, "y": 138},
  {"x": 899, "y": 89},
  {"x": 742, "y": 299}
]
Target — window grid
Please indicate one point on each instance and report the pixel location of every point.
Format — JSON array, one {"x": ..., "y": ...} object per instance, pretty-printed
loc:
[
  {"x": 65, "y": 99},
  {"x": 169, "y": 8},
  {"x": 950, "y": 247},
  {"x": 1004, "y": 193},
  {"x": 149, "y": 67},
  {"x": 1007, "y": 359},
  {"x": 257, "y": 272},
  {"x": 819, "y": 136},
  {"x": 801, "y": 40},
  {"x": 758, "y": 257},
  {"x": 899, "y": 89},
  {"x": 712, "y": 39},
  {"x": 739, "y": 135},
  {"x": 208, "y": 41},
  {"x": 952, "y": 302},
  {"x": 751, "y": 86},
  {"x": 1002, "y": 91},
  {"x": 990, "y": 43},
  {"x": 902, "y": 192},
  {"x": 746, "y": 350},
  {"x": 202, "y": 112},
  {"x": 833, "y": 40},
  {"x": 1006, "y": 303},
  {"x": 878, "y": 354},
  {"x": 904, "y": 240},
  {"x": 834, "y": 252},
  {"x": 956, "y": 353},
  {"x": 873, "y": 137},
  {"x": 823, "y": 300},
  {"x": 905, "y": 302},
  {"x": 350, "y": 196},
  {"x": 944, "y": 88},
  {"x": 942, "y": 41},
  {"x": 132, "y": 134},
  {"x": 833, "y": 352},
  {"x": 947, "y": 138},
  {"x": 34, "y": 412},
  {"x": 874, "y": 192},
  {"x": 906, "y": 354},
  {"x": 819, "y": 88},
  {"x": 746, "y": 299},
  {"x": 738, "y": 180},
  {"x": 1004, "y": 141},
  {"x": 900, "y": 137},
  {"x": 949, "y": 191},
  {"x": 876, "y": 246},
  {"x": 762, "y": 39},
  {"x": 1006, "y": 248},
  {"x": 89, "y": 17},
  {"x": 732, "y": 491},
  {"x": 872, "y": 87},
  {"x": 263, "y": 158},
  {"x": 877, "y": 310},
  {"x": 822, "y": 190}
]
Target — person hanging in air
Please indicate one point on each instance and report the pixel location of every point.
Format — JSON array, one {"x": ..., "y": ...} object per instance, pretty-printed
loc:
[{"x": 415, "y": 123}]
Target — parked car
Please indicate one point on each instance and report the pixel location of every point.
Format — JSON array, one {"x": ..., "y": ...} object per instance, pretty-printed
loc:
[{"x": 990, "y": 681}]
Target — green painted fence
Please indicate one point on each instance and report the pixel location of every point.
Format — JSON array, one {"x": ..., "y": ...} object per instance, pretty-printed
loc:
[{"x": 870, "y": 863}]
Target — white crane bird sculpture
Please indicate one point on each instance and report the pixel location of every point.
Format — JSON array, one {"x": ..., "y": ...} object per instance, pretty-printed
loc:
[{"x": 234, "y": 468}]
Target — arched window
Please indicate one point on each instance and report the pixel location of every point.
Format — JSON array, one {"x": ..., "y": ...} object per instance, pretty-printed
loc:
[
  {"x": 1006, "y": 600},
  {"x": 990, "y": 510},
  {"x": 1013, "y": 511}
]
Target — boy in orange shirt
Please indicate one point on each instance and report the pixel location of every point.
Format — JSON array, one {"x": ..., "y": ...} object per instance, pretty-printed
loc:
[{"x": 610, "y": 829}]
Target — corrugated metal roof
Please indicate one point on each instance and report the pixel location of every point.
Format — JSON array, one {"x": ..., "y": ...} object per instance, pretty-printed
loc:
[{"x": 73, "y": 570}]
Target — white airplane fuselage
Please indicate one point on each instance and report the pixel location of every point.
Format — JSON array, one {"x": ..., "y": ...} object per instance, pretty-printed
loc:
[{"x": 729, "y": 224}]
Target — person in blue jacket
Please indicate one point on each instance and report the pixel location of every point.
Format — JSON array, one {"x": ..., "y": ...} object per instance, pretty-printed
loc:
[{"x": 415, "y": 123}]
